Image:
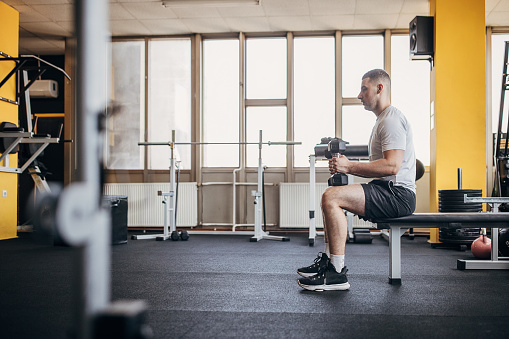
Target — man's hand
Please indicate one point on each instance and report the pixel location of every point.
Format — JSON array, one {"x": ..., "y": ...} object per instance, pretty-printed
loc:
[
  {"x": 389, "y": 165},
  {"x": 340, "y": 164}
]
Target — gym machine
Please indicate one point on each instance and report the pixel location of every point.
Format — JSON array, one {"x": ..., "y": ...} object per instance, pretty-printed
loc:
[
  {"x": 328, "y": 148},
  {"x": 501, "y": 152},
  {"x": 76, "y": 214},
  {"x": 170, "y": 209},
  {"x": 11, "y": 135}
]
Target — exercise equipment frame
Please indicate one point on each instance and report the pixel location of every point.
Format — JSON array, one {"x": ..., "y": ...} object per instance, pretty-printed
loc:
[{"x": 258, "y": 233}]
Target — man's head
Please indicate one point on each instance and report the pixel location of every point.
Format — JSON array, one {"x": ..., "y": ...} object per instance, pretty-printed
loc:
[{"x": 375, "y": 92}]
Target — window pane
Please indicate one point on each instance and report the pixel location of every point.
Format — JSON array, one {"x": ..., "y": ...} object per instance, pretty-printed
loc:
[
  {"x": 169, "y": 100},
  {"x": 314, "y": 95},
  {"x": 411, "y": 93},
  {"x": 266, "y": 68},
  {"x": 221, "y": 102},
  {"x": 272, "y": 122},
  {"x": 497, "y": 58},
  {"x": 360, "y": 54},
  {"x": 357, "y": 124},
  {"x": 126, "y": 128}
]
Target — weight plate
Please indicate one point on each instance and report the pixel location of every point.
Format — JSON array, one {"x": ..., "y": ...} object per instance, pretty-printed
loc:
[
  {"x": 458, "y": 196},
  {"x": 451, "y": 205},
  {"x": 466, "y": 191},
  {"x": 460, "y": 206},
  {"x": 458, "y": 210},
  {"x": 459, "y": 199},
  {"x": 461, "y": 194}
]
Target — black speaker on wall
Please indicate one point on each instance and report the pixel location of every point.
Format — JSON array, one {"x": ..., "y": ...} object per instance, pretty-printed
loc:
[{"x": 421, "y": 37}]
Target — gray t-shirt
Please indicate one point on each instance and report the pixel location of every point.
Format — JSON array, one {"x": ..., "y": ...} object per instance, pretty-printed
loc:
[{"x": 392, "y": 131}]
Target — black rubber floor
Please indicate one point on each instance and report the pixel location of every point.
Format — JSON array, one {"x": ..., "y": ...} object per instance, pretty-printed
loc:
[{"x": 228, "y": 287}]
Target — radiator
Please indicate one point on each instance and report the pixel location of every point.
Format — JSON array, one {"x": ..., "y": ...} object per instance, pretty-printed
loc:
[
  {"x": 145, "y": 207},
  {"x": 294, "y": 206}
]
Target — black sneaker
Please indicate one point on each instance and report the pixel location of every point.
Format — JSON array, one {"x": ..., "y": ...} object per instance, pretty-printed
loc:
[
  {"x": 320, "y": 261},
  {"x": 326, "y": 280}
]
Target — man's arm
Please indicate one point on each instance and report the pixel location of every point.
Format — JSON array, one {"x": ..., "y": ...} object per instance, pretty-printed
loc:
[{"x": 389, "y": 165}]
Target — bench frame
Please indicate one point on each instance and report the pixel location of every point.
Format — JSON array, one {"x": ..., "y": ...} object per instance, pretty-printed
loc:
[{"x": 398, "y": 227}]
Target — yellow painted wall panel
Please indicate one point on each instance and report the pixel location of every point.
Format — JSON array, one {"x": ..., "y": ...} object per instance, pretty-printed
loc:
[
  {"x": 458, "y": 94},
  {"x": 9, "y": 44},
  {"x": 459, "y": 85}
]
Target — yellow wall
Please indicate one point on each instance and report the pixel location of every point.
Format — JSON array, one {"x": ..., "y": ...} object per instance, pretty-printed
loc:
[
  {"x": 459, "y": 95},
  {"x": 9, "y": 38}
]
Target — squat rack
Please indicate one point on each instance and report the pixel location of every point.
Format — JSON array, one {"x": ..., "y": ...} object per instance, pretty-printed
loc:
[{"x": 258, "y": 233}]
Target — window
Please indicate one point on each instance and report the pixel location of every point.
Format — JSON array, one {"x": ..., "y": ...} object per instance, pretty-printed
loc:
[
  {"x": 266, "y": 91},
  {"x": 272, "y": 122},
  {"x": 157, "y": 92},
  {"x": 169, "y": 81},
  {"x": 359, "y": 55},
  {"x": 126, "y": 128},
  {"x": 360, "y": 124},
  {"x": 410, "y": 93},
  {"x": 314, "y": 95},
  {"x": 266, "y": 68},
  {"x": 220, "y": 102}
]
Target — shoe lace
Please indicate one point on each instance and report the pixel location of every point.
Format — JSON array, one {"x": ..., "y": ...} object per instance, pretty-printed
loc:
[
  {"x": 319, "y": 257},
  {"x": 321, "y": 271}
]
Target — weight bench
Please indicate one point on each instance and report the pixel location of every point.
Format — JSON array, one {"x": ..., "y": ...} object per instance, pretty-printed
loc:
[{"x": 398, "y": 226}]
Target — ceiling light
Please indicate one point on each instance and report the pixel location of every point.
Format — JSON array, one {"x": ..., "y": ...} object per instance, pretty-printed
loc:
[{"x": 210, "y": 3}]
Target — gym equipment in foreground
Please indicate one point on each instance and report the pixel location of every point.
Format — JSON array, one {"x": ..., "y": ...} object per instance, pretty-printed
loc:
[
  {"x": 328, "y": 148},
  {"x": 258, "y": 233},
  {"x": 79, "y": 218}
]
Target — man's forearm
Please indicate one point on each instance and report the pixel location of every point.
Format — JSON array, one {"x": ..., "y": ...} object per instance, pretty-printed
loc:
[{"x": 374, "y": 169}]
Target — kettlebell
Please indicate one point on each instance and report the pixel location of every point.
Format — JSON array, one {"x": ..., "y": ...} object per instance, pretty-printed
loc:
[{"x": 481, "y": 247}]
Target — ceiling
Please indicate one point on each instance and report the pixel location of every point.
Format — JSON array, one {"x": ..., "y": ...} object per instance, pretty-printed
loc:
[{"x": 44, "y": 24}]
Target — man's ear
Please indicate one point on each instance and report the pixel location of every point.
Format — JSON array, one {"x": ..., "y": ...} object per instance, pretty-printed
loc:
[{"x": 379, "y": 88}]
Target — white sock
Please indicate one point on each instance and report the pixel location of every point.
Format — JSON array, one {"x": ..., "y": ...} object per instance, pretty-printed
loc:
[
  {"x": 327, "y": 250},
  {"x": 338, "y": 261}
]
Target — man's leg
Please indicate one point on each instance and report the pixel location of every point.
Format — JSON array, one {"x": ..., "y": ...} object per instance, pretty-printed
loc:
[
  {"x": 334, "y": 200},
  {"x": 325, "y": 239},
  {"x": 335, "y": 228}
]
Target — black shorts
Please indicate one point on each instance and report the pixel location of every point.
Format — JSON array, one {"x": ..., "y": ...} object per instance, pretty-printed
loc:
[{"x": 384, "y": 200}]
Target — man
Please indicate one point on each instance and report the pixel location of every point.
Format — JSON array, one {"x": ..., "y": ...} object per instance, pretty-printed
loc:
[{"x": 392, "y": 194}]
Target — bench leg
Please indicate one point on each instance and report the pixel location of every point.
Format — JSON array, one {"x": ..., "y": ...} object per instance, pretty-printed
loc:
[{"x": 395, "y": 234}]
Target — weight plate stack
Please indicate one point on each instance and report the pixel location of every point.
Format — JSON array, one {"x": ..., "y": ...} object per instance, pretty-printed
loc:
[{"x": 451, "y": 201}]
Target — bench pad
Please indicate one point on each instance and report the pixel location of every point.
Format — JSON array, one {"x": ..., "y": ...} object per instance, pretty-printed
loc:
[{"x": 480, "y": 219}]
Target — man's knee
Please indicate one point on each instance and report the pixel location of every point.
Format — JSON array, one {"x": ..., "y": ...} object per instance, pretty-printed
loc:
[
  {"x": 330, "y": 198},
  {"x": 347, "y": 197}
]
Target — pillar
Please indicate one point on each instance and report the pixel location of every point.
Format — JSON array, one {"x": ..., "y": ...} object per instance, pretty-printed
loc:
[{"x": 458, "y": 98}]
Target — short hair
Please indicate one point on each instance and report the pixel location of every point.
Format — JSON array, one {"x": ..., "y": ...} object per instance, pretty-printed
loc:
[{"x": 378, "y": 75}]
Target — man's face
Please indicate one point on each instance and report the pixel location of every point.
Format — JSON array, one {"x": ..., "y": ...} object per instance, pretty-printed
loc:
[{"x": 368, "y": 94}]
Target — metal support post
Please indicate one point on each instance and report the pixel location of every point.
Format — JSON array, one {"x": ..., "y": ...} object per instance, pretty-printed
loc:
[
  {"x": 80, "y": 219},
  {"x": 312, "y": 205},
  {"x": 395, "y": 254},
  {"x": 259, "y": 234},
  {"x": 169, "y": 201}
]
